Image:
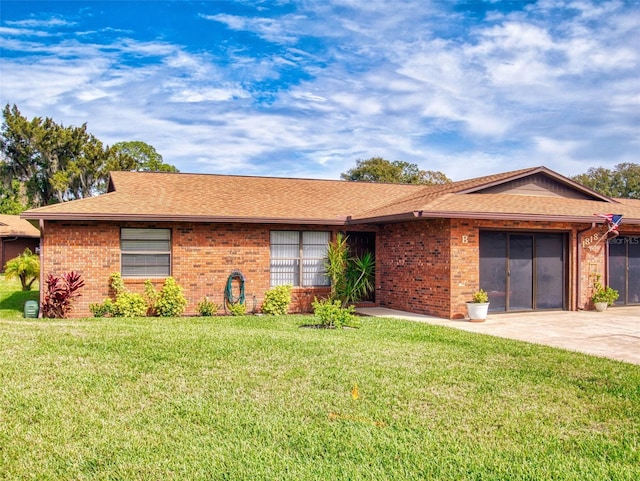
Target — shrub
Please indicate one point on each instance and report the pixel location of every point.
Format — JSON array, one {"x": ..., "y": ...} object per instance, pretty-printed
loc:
[
  {"x": 352, "y": 278},
  {"x": 151, "y": 298},
  {"x": 129, "y": 304},
  {"x": 171, "y": 302},
  {"x": 25, "y": 267},
  {"x": 207, "y": 308},
  {"x": 277, "y": 300},
  {"x": 237, "y": 309},
  {"x": 125, "y": 304},
  {"x": 116, "y": 284},
  {"x": 330, "y": 313},
  {"x": 102, "y": 310},
  {"x": 61, "y": 293},
  {"x": 480, "y": 296},
  {"x": 603, "y": 294}
]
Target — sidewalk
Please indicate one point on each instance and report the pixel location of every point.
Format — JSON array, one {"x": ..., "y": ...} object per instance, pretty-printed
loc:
[{"x": 614, "y": 333}]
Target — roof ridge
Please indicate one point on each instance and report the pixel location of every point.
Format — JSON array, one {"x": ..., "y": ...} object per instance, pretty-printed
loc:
[{"x": 260, "y": 177}]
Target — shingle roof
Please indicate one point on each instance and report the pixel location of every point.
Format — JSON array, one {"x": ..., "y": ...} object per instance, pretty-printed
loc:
[
  {"x": 200, "y": 197},
  {"x": 14, "y": 226},
  {"x": 220, "y": 198}
]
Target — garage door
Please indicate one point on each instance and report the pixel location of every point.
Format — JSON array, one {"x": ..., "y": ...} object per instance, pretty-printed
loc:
[
  {"x": 624, "y": 268},
  {"x": 523, "y": 271}
]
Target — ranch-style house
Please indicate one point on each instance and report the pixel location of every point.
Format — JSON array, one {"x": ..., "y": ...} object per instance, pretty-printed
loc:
[{"x": 532, "y": 238}]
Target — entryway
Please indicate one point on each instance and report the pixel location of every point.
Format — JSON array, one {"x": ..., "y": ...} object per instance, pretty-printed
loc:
[
  {"x": 361, "y": 243},
  {"x": 624, "y": 268},
  {"x": 523, "y": 271}
]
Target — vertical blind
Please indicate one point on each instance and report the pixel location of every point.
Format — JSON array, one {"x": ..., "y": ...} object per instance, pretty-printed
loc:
[{"x": 298, "y": 258}]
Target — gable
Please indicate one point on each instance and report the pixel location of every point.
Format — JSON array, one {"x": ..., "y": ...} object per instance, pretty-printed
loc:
[
  {"x": 541, "y": 182},
  {"x": 537, "y": 185}
]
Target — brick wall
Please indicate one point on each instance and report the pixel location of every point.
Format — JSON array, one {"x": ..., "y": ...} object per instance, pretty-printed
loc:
[
  {"x": 429, "y": 266},
  {"x": 203, "y": 256},
  {"x": 413, "y": 265},
  {"x": 432, "y": 266}
]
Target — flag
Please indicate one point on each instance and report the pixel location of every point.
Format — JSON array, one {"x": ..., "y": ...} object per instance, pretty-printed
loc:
[{"x": 613, "y": 222}]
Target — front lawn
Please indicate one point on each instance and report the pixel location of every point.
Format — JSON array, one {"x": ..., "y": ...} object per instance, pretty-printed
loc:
[
  {"x": 259, "y": 398},
  {"x": 12, "y": 298}
]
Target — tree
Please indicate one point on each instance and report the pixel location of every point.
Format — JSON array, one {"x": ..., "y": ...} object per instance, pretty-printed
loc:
[
  {"x": 377, "y": 169},
  {"x": 26, "y": 267},
  {"x": 137, "y": 155},
  {"x": 52, "y": 163},
  {"x": 10, "y": 199},
  {"x": 622, "y": 181}
]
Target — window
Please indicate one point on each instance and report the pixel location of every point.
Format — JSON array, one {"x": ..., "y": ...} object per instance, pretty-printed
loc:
[
  {"x": 298, "y": 258},
  {"x": 145, "y": 252}
]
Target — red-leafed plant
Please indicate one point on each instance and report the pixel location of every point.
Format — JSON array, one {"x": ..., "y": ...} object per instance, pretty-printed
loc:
[{"x": 61, "y": 293}]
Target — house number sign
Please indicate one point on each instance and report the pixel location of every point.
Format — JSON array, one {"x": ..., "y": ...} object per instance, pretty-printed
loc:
[{"x": 591, "y": 239}]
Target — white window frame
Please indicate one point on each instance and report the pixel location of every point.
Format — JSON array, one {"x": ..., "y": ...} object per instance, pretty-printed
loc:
[
  {"x": 304, "y": 264},
  {"x": 144, "y": 244}
]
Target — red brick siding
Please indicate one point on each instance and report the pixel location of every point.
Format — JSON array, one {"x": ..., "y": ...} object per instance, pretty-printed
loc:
[
  {"x": 428, "y": 266},
  {"x": 203, "y": 256},
  {"x": 413, "y": 265},
  {"x": 432, "y": 266}
]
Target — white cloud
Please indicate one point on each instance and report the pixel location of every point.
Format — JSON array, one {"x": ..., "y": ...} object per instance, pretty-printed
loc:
[
  {"x": 278, "y": 31},
  {"x": 541, "y": 86}
]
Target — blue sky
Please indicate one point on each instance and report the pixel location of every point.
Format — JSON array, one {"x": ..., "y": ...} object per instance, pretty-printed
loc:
[{"x": 304, "y": 88}]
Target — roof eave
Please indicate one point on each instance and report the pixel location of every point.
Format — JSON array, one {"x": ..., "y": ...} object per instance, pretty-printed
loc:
[
  {"x": 180, "y": 218},
  {"x": 577, "y": 219}
]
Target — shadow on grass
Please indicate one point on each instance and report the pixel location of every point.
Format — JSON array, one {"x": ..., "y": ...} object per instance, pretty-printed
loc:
[{"x": 16, "y": 300}]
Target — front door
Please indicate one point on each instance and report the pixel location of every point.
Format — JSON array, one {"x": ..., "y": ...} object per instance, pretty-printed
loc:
[
  {"x": 624, "y": 268},
  {"x": 523, "y": 271}
]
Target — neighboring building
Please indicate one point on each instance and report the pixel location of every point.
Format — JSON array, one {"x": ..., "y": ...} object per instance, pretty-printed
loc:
[
  {"x": 531, "y": 238},
  {"x": 16, "y": 235}
]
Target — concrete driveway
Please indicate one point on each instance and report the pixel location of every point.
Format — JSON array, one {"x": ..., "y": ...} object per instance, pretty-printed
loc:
[{"x": 614, "y": 333}]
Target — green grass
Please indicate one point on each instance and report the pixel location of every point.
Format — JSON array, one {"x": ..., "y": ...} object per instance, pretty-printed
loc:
[
  {"x": 259, "y": 398},
  {"x": 12, "y": 298}
]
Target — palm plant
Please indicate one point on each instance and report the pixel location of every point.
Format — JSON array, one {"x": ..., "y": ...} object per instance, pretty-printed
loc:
[
  {"x": 352, "y": 278},
  {"x": 26, "y": 267}
]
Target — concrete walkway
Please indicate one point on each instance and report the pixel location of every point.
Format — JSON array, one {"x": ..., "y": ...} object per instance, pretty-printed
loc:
[{"x": 614, "y": 333}]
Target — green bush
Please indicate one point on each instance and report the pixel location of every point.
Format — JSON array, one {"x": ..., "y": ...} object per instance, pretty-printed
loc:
[
  {"x": 277, "y": 300},
  {"x": 237, "y": 309},
  {"x": 151, "y": 297},
  {"x": 102, "y": 310},
  {"x": 332, "y": 314},
  {"x": 171, "y": 301},
  {"x": 207, "y": 308},
  {"x": 126, "y": 304},
  {"x": 129, "y": 304},
  {"x": 116, "y": 284}
]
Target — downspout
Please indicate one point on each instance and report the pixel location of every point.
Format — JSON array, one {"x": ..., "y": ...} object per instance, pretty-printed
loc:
[
  {"x": 41, "y": 225},
  {"x": 579, "y": 261}
]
